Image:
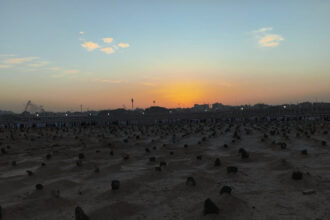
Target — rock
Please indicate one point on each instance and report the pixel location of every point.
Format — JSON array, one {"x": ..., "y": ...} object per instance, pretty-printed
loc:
[
  {"x": 241, "y": 150},
  {"x": 48, "y": 156},
  {"x": 43, "y": 164},
  {"x": 186, "y": 146},
  {"x": 308, "y": 192},
  {"x": 158, "y": 169},
  {"x": 199, "y": 157},
  {"x": 115, "y": 184},
  {"x": 297, "y": 175},
  {"x": 80, "y": 214},
  {"x": 232, "y": 169},
  {"x": 190, "y": 181},
  {"x": 225, "y": 145},
  {"x": 282, "y": 145},
  {"x": 147, "y": 150},
  {"x": 152, "y": 159},
  {"x": 3, "y": 151},
  {"x": 79, "y": 163},
  {"x": 29, "y": 172},
  {"x": 304, "y": 152},
  {"x": 217, "y": 162},
  {"x": 324, "y": 143},
  {"x": 171, "y": 153},
  {"x": 56, "y": 193},
  {"x": 225, "y": 189},
  {"x": 126, "y": 157},
  {"x": 210, "y": 207},
  {"x": 39, "y": 186},
  {"x": 81, "y": 156},
  {"x": 162, "y": 163},
  {"x": 244, "y": 153},
  {"x": 111, "y": 153}
]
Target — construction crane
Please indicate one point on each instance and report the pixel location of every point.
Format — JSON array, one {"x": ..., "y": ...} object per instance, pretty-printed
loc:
[{"x": 30, "y": 107}]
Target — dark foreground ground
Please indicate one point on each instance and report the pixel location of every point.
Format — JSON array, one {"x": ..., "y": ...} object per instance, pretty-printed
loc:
[{"x": 152, "y": 164}]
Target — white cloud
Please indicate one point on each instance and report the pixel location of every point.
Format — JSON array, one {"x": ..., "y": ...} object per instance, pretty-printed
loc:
[
  {"x": 72, "y": 71},
  {"x": 81, "y": 32},
  {"x": 53, "y": 68},
  {"x": 123, "y": 45},
  {"x": 19, "y": 60},
  {"x": 7, "y": 55},
  {"x": 267, "y": 39},
  {"x": 90, "y": 46},
  {"x": 107, "y": 40},
  {"x": 270, "y": 40},
  {"x": 39, "y": 64},
  {"x": 262, "y": 30},
  {"x": 4, "y": 66},
  {"x": 107, "y": 81},
  {"x": 108, "y": 50}
]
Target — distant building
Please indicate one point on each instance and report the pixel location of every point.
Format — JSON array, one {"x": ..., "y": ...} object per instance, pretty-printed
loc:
[
  {"x": 200, "y": 108},
  {"x": 218, "y": 106},
  {"x": 156, "y": 110}
]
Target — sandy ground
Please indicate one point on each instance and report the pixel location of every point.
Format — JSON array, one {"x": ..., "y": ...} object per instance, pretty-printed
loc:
[{"x": 262, "y": 188}]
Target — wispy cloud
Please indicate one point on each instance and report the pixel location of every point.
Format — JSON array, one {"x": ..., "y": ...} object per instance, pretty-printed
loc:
[
  {"x": 81, "y": 32},
  {"x": 264, "y": 29},
  {"x": 90, "y": 46},
  {"x": 39, "y": 64},
  {"x": 106, "y": 81},
  {"x": 7, "y": 55},
  {"x": 270, "y": 40},
  {"x": 107, "y": 40},
  {"x": 53, "y": 68},
  {"x": 108, "y": 50},
  {"x": 20, "y": 60},
  {"x": 72, "y": 71},
  {"x": 266, "y": 39},
  {"x": 123, "y": 45},
  {"x": 4, "y": 66}
]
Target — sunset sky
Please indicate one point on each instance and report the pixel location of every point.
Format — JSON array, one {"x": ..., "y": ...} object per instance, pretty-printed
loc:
[{"x": 100, "y": 54}]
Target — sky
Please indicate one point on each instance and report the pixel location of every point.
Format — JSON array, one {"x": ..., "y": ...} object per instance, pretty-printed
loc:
[{"x": 62, "y": 54}]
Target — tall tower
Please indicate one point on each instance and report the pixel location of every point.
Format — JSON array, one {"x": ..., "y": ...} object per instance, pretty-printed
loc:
[{"x": 132, "y": 100}]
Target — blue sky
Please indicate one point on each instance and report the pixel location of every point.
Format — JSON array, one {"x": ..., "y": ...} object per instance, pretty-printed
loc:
[{"x": 233, "y": 52}]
